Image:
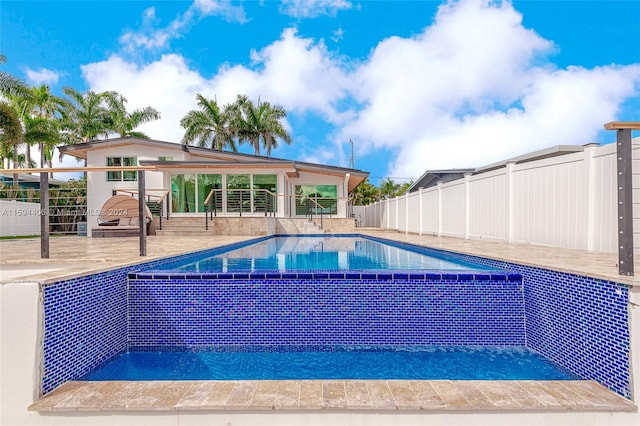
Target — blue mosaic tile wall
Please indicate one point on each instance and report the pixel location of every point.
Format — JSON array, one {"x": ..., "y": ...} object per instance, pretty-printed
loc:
[
  {"x": 580, "y": 323},
  {"x": 326, "y": 312},
  {"x": 85, "y": 323}
]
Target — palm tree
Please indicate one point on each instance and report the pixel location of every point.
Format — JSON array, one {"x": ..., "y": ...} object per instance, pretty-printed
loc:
[
  {"x": 365, "y": 193},
  {"x": 8, "y": 83},
  {"x": 34, "y": 106},
  {"x": 210, "y": 125},
  {"x": 10, "y": 126},
  {"x": 46, "y": 133},
  {"x": 10, "y": 133},
  {"x": 388, "y": 188},
  {"x": 261, "y": 123},
  {"x": 86, "y": 117},
  {"x": 122, "y": 122}
]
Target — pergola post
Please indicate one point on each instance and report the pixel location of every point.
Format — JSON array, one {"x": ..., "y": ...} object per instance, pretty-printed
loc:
[
  {"x": 625, "y": 193},
  {"x": 44, "y": 215},
  {"x": 141, "y": 214}
]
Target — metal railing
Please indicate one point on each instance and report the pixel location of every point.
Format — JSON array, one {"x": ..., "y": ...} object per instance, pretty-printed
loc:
[
  {"x": 239, "y": 201},
  {"x": 155, "y": 199},
  {"x": 67, "y": 209},
  {"x": 313, "y": 206}
]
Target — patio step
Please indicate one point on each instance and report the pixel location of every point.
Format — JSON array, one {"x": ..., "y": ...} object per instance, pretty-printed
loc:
[
  {"x": 311, "y": 228},
  {"x": 195, "y": 226},
  {"x": 184, "y": 233},
  {"x": 183, "y": 226}
]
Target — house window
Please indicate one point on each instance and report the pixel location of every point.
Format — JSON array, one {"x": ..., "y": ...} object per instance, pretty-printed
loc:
[
  {"x": 264, "y": 191},
  {"x": 122, "y": 176},
  {"x": 316, "y": 199},
  {"x": 169, "y": 158},
  {"x": 238, "y": 193}
]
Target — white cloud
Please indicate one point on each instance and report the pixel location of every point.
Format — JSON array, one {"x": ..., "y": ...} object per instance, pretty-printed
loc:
[
  {"x": 565, "y": 107},
  {"x": 476, "y": 87},
  {"x": 313, "y": 8},
  {"x": 151, "y": 37},
  {"x": 473, "y": 88},
  {"x": 42, "y": 76},
  {"x": 167, "y": 84},
  {"x": 293, "y": 72}
]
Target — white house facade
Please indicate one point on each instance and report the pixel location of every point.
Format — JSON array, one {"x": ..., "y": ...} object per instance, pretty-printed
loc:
[{"x": 189, "y": 181}]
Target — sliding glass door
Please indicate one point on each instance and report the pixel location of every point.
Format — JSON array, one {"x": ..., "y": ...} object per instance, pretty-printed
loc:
[
  {"x": 316, "y": 199},
  {"x": 206, "y": 184},
  {"x": 240, "y": 193},
  {"x": 183, "y": 193}
]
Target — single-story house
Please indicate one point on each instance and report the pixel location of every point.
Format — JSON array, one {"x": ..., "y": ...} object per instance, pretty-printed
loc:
[
  {"x": 26, "y": 180},
  {"x": 432, "y": 177},
  {"x": 191, "y": 180}
]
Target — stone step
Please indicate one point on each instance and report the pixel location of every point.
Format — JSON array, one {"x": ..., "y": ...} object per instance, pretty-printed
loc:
[
  {"x": 183, "y": 225},
  {"x": 311, "y": 228},
  {"x": 184, "y": 233}
]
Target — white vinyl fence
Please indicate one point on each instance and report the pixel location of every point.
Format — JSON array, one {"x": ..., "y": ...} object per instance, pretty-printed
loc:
[
  {"x": 566, "y": 201},
  {"x": 19, "y": 218}
]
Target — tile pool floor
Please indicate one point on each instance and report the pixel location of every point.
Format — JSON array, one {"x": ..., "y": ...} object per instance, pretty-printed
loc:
[{"x": 76, "y": 256}]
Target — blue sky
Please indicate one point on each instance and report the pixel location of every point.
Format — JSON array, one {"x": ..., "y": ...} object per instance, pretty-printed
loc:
[{"x": 416, "y": 85}]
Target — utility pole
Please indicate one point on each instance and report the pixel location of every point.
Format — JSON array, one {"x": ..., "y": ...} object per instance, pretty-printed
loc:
[{"x": 353, "y": 160}]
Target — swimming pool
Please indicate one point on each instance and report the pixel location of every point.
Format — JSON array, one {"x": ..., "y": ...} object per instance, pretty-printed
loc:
[
  {"x": 145, "y": 308},
  {"x": 313, "y": 253},
  {"x": 345, "y": 363}
]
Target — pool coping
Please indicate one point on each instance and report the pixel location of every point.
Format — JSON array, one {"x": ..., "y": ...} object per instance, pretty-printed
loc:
[
  {"x": 605, "y": 269},
  {"x": 387, "y": 275},
  {"x": 332, "y": 395}
]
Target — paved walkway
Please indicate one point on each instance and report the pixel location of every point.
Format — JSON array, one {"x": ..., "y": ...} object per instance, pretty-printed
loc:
[
  {"x": 72, "y": 256},
  {"x": 75, "y": 256}
]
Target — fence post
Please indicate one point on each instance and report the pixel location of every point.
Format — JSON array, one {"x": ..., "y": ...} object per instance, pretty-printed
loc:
[
  {"x": 625, "y": 202},
  {"x": 590, "y": 178},
  {"x": 420, "y": 210},
  {"x": 625, "y": 194},
  {"x": 406, "y": 213},
  {"x": 141, "y": 214},
  {"x": 44, "y": 215},
  {"x": 510, "y": 202},
  {"x": 467, "y": 204},
  {"x": 388, "y": 214},
  {"x": 397, "y": 225},
  {"x": 439, "y": 208}
]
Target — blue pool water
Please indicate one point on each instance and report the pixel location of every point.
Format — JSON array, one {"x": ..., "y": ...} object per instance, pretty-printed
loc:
[
  {"x": 416, "y": 363},
  {"x": 318, "y": 253}
]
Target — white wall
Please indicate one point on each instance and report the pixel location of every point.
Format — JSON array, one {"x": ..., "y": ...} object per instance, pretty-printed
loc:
[
  {"x": 99, "y": 190},
  {"x": 18, "y": 218},
  {"x": 567, "y": 201}
]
